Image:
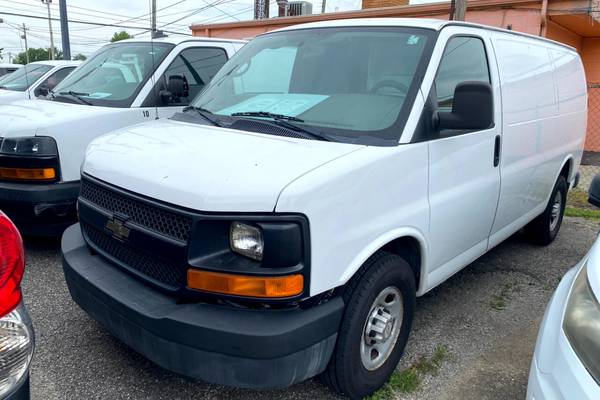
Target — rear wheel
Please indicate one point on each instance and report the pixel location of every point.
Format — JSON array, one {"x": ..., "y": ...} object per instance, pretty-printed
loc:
[
  {"x": 544, "y": 229},
  {"x": 377, "y": 321}
]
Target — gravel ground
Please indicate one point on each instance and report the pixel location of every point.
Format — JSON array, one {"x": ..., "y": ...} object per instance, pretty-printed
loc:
[{"x": 490, "y": 347}]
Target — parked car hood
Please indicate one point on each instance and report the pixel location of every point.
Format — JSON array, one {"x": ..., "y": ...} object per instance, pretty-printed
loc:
[
  {"x": 8, "y": 96},
  {"x": 206, "y": 168},
  {"x": 73, "y": 126}
]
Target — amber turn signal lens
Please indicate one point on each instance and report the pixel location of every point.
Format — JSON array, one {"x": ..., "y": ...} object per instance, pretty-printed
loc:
[
  {"x": 28, "y": 174},
  {"x": 242, "y": 285}
]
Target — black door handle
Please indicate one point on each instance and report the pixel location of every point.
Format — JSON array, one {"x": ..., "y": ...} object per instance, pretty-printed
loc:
[{"x": 497, "y": 151}]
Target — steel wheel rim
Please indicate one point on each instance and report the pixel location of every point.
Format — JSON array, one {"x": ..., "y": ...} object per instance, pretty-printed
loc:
[
  {"x": 555, "y": 211},
  {"x": 382, "y": 328}
]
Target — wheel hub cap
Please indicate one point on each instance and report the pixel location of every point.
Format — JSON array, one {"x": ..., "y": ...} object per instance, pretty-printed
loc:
[{"x": 382, "y": 328}]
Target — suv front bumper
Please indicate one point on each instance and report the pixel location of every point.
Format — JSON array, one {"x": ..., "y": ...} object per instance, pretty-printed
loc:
[
  {"x": 40, "y": 209},
  {"x": 215, "y": 343}
]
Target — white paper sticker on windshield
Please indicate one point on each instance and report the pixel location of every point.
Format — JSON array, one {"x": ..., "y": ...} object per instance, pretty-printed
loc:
[
  {"x": 98, "y": 95},
  {"x": 285, "y": 104}
]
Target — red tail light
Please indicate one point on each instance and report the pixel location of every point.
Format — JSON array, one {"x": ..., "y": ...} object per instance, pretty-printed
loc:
[{"x": 12, "y": 265}]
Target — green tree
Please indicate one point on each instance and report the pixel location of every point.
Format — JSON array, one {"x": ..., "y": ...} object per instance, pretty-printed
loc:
[
  {"x": 79, "y": 57},
  {"x": 37, "y": 55},
  {"x": 120, "y": 36}
]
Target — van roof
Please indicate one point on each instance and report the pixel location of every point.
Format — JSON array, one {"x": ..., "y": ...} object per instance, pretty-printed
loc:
[
  {"x": 434, "y": 24},
  {"x": 181, "y": 39}
]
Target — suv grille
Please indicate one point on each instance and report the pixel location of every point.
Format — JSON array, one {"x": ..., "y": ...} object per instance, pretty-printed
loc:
[
  {"x": 165, "y": 222},
  {"x": 170, "y": 275}
]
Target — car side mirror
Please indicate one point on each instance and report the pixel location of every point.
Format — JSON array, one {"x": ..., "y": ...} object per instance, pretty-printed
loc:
[
  {"x": 472, "y": 108},
  {"x": 594, "y": 191},
  {"x": 42, "y": 91},
  {"x": 177, "y": 87}
]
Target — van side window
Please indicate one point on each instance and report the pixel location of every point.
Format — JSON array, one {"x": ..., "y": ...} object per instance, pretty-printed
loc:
[
  {"x": 464, "y": 59},
  {"x": 198, "y": 65}
]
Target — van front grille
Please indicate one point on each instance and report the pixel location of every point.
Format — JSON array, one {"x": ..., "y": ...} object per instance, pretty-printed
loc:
[
  {"x": 159, "y": 220},
  {"x": 171, "y": 276}
]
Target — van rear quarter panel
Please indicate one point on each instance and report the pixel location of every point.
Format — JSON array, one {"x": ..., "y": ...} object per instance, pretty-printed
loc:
[
  {"x": 358, "y": 203},
  {"x": 544, "y": 119}
]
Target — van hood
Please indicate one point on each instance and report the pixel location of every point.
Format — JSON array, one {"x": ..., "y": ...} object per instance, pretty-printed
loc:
[
  {"x": 206, "y": 168},
  {"x": 35, "y": 117},
  {"x": 8, "y": 96}
]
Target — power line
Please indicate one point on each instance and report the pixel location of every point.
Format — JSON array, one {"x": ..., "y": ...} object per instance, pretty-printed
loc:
[{"x": 80, "y": 22}]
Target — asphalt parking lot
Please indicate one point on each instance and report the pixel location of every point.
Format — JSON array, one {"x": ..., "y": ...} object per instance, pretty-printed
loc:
[{"x": 486, "y": 317}]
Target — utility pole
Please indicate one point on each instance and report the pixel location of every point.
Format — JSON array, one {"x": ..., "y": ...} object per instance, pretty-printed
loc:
[
  {"x": 9, "y": 57},
  {"x": 24, "y": 37},
  {"x": 47, "y": 3},
  {"x": 323, "y": 6},
  {"x": 153, "y": 23},
  {"x": 458, "y": 10},
  {"x": 64, "y": 29}
]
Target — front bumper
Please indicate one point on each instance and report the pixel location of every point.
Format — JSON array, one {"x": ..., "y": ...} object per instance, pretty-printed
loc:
[
  {"x": 40, "y": 209},
  {"x": 556, "y": 371},
  {"x": 214, "y": 343}
]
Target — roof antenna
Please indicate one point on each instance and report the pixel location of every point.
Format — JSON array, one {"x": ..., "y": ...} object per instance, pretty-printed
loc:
[{"x": 152, "y": 30}]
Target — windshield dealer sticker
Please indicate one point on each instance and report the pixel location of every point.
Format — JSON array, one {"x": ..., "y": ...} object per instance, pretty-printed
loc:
[
  {"x": 412, "y": 40},
  {"x": 285, "y": 103}
]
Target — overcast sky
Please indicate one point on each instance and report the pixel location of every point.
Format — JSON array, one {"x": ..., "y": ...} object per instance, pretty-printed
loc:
[{"x": 174, "y": 15}]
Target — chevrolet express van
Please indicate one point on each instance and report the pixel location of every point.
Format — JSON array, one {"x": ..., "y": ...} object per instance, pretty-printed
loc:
[
  {"x": 33, "y": 80},
  {"x": 328, "y": 175},
  {"x": 42, "y": 143}
]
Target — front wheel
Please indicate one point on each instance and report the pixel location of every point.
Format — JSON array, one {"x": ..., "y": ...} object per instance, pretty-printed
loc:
[
  {"x": 544, "y": 229},
  {"x": 377, "y": 321}
]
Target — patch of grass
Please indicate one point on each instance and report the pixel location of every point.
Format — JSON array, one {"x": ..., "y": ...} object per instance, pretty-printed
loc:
[
  {"x": 582, "y": 213},
  {"x": 409, "y": 380},
  {"x": 578, "y": 199},
  {"x": 498, "y": 301}
]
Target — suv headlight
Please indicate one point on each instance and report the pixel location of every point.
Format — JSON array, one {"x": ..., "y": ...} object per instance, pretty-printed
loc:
[
  {"x": 16, "y": 349},
  {"x": 582, "y": 323},
  {"x": 31, "y": 146},
  {"x": 32, "y": 158}
]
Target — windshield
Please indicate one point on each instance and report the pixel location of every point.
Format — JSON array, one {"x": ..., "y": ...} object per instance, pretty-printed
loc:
[
  {"x": 352, "y": 84},
  {"x": 23, "y": 78},
  {"x": 114, "y": 75}
]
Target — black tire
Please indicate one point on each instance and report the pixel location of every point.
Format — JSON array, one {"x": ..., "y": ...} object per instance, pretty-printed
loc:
[
  {"x": 346, "y": 373},
  {"x": 544, "y": 229}
]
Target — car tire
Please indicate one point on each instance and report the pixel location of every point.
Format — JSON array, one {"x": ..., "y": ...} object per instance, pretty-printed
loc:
[
  {"x": 544, "y": 229},
  {"x": 362, "y": 363}
]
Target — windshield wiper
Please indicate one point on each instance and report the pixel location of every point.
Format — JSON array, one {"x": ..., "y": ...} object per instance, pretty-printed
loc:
[
  {"x": 204, "y": 113},
  {"x": 77, "y": 95},
  {"x": 266, "y": 114},
  {"x": 283, "y": 120}
]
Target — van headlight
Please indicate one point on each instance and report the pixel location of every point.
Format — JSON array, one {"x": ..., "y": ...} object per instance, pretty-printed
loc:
[
  {"x": 29, "y": 158},
  {"x": 582, "y": 323},
  {"x": 30, "y": 146},
  {"x": 247, "y": 240},
  {"x": 16, "y": 349}
]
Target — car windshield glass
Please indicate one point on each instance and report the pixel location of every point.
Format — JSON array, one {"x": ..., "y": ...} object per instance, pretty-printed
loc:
[
  {"x": 23, "y": 78},
  {"x": 114, "y": 75},
  {"x": 353, "y": 84}
]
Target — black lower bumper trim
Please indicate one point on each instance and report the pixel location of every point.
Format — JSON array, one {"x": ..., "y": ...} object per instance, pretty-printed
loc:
[
  {"x": 218, "y": 344},
  {"x": 40, "y": 209}
]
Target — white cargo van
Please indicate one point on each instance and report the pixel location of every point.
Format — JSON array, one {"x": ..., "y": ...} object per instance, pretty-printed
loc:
[
  {"x": 35, "y": 79},
  {"x": 328, "y": 175},
  {"x": 42, "y": 142}
]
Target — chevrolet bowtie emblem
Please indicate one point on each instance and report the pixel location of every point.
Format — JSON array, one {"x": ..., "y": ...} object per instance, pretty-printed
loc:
[{"x": 118, "y": 229}]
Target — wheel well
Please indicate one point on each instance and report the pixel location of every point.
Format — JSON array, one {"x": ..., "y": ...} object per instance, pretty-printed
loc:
[
  {"x": 408, "y": 248},
  {"x": 566, "y": 170}
]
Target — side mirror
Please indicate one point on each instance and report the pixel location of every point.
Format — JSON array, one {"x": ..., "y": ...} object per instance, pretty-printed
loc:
[
  {"x": 472, "y": 108},
  {"x": 42, "y": 91},
  {"x": 177, "y": 87},
  {"x": 594, "y": 191}
]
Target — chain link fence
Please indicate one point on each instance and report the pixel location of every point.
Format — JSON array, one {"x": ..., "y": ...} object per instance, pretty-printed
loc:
[{"x": 590, "y": 164}]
